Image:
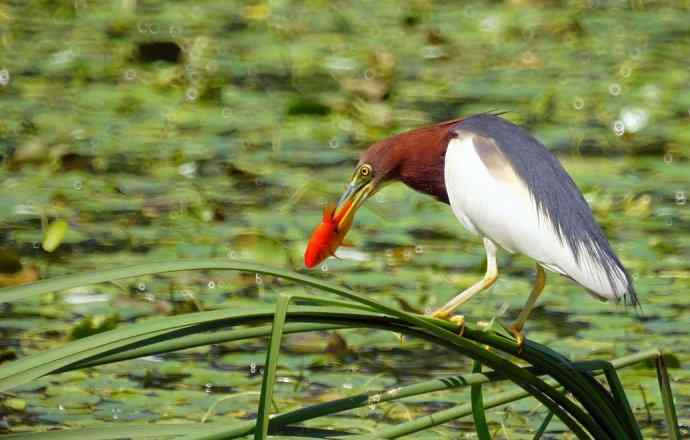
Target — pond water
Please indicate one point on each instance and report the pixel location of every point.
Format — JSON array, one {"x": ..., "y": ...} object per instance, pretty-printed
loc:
[{"x": 160, "y": 130}]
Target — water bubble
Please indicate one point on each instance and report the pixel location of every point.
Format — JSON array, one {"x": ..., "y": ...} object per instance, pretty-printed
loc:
[
  {"x": 60, "y": 407},
  {"x": 192, "y": 94},
  {"x": 36, "y": 245},
  {"x": 579, "y": 103},
  {"x": 259, "y": 279},
  {"x": 333, "y": 143},
  {"x": 252, "y": 367},
  {"x": 432, "y": 52},
  {"x": 153, "y": 28},
  {"x": 4, "y": 77},
  {"x": 615, "y": 89},
  {"x": 635, "y": 53},
  {"x": 489, "y": 24},
  {"x": 625, "y": 71},
  {"x": 368, "y": 75},
  {"x": 668, "y": 158},
  {"x": 634, "y": 119},
  {"x": 225, "y": 113},
  {"x": 77, "y": 185},
  {"x": 324, "y": 267},
  {"x": 141, "y": 26},
  {"x": 141, "y": 287},
  {"x": 418, "y": 249},
  {"x": 174, "y": 31},
  {"x": 389, "y": 253},
  {"x": 407, "y": 255},
  {"x": 188, "y": 169},
  {"x": 681, "y": 198},
  {"x": 208, "y": 387},
  {"x": 130, "y": 74},
  {"x": 116, "y": 413},
  {"x": 619, "y": 128},
  {"x": 232, "y": 254},
  {"x": 211, "y": 284},
  {"x": 347, "y": 386}
]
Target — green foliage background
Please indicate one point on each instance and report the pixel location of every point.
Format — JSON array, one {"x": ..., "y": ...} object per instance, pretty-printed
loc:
[{"x": 233, "y": 147}]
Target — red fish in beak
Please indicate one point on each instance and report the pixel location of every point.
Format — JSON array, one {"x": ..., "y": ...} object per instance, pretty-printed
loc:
[
  {"x": 328, "y": 236},
  {"x": 337, "y": 219}
]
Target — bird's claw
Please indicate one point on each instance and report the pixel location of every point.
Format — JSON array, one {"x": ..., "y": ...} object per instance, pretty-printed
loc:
[
  {"x": 458, "y": 320},
  {"x": 519, "y": 336}
]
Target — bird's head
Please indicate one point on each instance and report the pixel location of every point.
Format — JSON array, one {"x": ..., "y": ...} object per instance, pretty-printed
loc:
[
  {"x": 415, "y": 158},
  {"x": 377, "y": 166}
]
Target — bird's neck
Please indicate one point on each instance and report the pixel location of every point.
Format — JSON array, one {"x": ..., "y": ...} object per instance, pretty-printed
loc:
[{"x": 423, "y": 166}]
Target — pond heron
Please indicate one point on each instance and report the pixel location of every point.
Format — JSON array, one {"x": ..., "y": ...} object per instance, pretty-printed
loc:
[{"x": 504, "y": 186}]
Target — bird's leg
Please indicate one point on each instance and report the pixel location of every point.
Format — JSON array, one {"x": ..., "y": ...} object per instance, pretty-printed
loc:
[
  {"x": 486, "y": 282},
  {"x": 516, "y": 327}
]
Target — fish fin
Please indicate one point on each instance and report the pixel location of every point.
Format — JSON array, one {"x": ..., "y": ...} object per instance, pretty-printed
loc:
[{"x": 328, "y": 211}]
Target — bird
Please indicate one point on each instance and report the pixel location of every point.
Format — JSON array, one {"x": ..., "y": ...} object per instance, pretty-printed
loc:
[{"x": 503, "y": 186}]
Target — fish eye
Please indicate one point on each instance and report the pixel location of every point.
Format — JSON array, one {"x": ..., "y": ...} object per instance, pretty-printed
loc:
[{"x": 365, "y": 170}]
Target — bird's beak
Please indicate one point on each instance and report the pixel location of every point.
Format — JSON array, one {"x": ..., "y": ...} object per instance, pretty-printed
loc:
[{"x": 353, "y": 197}]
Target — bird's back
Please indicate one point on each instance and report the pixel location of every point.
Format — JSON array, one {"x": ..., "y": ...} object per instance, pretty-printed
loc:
[{"x": 529, "y": 205}]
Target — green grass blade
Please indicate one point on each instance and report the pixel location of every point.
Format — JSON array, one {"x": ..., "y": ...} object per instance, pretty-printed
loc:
[
  {"x": 271, "y": 367},
  {"x": 200, "y": 340},
  {"x": 622, "y": 400},
  {"x": 543, "y": 426},
  {"x": 477, "y": 400},
  {"x": 667, "y": 399},
  {"x": 116, "y": 431}
]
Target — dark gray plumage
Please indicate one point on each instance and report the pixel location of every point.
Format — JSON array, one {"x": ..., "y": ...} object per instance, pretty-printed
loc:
[{"x": 555, "y": 194}]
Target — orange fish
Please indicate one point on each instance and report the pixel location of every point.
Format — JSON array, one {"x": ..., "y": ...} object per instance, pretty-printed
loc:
[{"x": 328, "y": 236}]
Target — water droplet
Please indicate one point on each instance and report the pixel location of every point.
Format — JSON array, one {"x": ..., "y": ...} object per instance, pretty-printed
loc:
[
  {"x": 211, "y": 285},
  {"x": 615, "y": 89},
  {"x": 324, "y": 267},
  {"x": 418, "y": 249},
  {"x": 191, "y": 94},
  {"x": 634, "y": 119},
  {"x": 188, "y": 169},
  {"x": 681, "y": 198},
  {"x": 4, "y": 77},
  {"x": 619, "y": 128},
  {"x": 141, "y": 287},
  {"x": 333, "y": 143}
]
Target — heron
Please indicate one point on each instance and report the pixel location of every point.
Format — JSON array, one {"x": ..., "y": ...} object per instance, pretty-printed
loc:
[{"x": 503, "y": 186}]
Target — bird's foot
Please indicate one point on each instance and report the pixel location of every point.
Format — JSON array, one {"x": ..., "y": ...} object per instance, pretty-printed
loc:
[
  {"x": 519, "y": 336},
  {"x": 458, "y": 320}
]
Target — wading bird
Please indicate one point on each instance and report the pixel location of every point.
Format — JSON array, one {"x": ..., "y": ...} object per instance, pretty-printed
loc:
[{"x": 502, "y": 185}]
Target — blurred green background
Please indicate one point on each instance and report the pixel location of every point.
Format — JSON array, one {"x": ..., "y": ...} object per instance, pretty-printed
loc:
[{"x": 140, "y": 130}]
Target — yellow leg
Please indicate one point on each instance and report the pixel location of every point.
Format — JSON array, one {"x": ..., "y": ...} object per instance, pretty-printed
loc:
[
  {"x": 486, "y": 282},
  {"x": 516, "y": 327}
]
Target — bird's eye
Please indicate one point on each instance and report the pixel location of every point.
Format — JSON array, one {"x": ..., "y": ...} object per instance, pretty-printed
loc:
[{"x": 365, "y": 170}]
